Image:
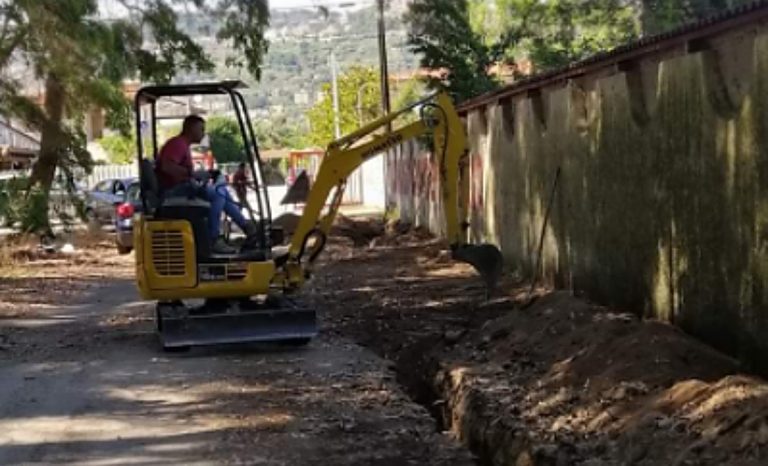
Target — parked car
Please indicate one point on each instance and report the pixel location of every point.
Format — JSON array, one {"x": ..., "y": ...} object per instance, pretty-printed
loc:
[
  {"x": 113, "y": 202},
  {"x": 102, "y": 200},
  {"x": 124, "y": 218}
]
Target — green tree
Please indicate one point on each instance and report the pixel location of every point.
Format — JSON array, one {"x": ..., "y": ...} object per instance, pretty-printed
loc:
[
  {"x": 357, "y": 82},
  {"x": 278, "y": 133},
  {"x": 227, "y": 143},
  {"x": 441, "y": 32},
  {"x": 569, "y": 30},
  {"x": 465, "y": 38},
  {"x": 663, "y": 15},
  {"x": 81, "y": 60},
  {"x": 407, "y": 93},
  {"x": 225, "y": 139},
  {"x": 120, "y": 149}
]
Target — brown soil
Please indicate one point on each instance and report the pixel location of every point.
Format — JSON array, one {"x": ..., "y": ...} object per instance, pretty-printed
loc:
[
  {"x": 32, "y": 279},
  {"x": 561, "y": 382},
  {"x": 83, "y": 381}
]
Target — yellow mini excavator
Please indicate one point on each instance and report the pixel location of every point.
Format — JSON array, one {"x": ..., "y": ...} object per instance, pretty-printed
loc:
[{"x": 206, "y": 298}]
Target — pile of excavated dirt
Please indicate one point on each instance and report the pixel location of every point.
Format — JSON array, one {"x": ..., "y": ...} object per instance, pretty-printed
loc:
[
  {"x": 565, "y": 382},
  {"x": 562, "y": 382},
  {"x": 360, "y": 231}
]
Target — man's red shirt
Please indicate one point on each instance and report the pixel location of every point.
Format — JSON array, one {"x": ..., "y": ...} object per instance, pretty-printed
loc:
[{"x": 175, "y": 151}]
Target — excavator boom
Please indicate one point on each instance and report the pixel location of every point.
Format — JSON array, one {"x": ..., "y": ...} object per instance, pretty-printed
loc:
[{"x": 438, "y": 119}]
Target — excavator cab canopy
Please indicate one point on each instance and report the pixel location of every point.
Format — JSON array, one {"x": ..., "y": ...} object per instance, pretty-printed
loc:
[
  {"x": 147, "y": 144},
  {"x": 175, "y": 262}
]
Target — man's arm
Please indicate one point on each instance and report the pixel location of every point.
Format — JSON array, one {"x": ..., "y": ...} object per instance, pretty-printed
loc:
[{"x": 179, "y": 172}]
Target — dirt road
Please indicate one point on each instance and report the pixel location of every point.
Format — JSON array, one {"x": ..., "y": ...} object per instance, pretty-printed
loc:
[
  {"x": 560, "y": 381},
  {"x": 85, "y": 383}
]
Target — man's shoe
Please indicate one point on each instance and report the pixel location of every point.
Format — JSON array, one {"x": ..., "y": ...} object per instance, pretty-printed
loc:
[
  {"x": 251, "y": 230},
  {"x": 221, "y": 247},
  {"x": 252, "y": 236}
]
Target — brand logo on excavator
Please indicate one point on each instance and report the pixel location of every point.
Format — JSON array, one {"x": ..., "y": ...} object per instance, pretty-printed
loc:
[{"x": 386, "y": 143}]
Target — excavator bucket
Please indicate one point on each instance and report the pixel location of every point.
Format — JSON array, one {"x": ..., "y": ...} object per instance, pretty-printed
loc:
[
  {"x": 226, "y": 322},
  {"x": 486, "y": 259},
  {"x": 298, "y": 192}
]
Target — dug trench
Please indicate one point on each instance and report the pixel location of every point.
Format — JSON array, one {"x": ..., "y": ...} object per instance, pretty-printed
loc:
[{"x": 561, "y": 382}]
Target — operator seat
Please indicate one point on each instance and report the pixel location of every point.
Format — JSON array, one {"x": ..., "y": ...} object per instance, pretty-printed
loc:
[{"x": 191, "y": 208}]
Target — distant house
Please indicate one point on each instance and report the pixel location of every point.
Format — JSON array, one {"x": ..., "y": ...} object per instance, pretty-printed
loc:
[
  {"x": 301, "y": 98},
  {"x": 18, "y": 148}
]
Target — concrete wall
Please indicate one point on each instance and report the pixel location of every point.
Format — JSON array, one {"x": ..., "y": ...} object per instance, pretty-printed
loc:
[{"x": 662, "y": 202}]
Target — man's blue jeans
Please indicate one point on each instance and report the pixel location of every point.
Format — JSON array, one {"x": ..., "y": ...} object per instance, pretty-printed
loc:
[{"x": 220, "y": 201}]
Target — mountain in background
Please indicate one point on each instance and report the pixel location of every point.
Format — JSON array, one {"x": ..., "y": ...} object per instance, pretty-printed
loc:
[{"x": 297, "y": 64}]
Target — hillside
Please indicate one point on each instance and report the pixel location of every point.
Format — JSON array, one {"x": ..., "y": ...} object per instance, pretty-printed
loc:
[{"x": 301, "y": 41}]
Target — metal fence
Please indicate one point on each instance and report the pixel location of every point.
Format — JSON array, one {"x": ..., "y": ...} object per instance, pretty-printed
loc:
[
  {"x": 104, "y": 172},
  {"x": 60, "y": 199}
]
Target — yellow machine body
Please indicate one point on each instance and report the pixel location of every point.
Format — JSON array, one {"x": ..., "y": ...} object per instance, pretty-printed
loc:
[{"x": 167, "y": 268}]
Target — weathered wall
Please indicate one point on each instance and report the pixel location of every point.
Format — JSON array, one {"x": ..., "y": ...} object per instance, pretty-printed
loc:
[{"x": 662, "y": 202}]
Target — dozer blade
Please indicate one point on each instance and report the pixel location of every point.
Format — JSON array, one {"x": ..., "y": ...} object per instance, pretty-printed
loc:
[
  {"x": 485, "y": 258},
  {"x": 181, "y": 327}
]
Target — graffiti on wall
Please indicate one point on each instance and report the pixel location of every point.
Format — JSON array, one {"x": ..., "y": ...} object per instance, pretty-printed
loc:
[
  {"x": 415, "y": 175},
  {"x": 476, "y": 195}
]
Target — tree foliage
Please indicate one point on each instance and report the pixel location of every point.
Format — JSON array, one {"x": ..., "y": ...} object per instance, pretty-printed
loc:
[
  {"x": 81, "y": 60},
  {"x": 663, "y": 15},
  {"x": 407, "y": 93},
  {"x": 356, "y": 82},
  {"x": 279, "y": 133},
  {"x": 466, "y": 37},
  {"x": 359, "y": 104},
  {"x": 227, "y": 143},
  {"x": 562, "y": 31},
  {"x": 120, "y": 149},
  {"x": 225, "y": 139},
  {"x": 441, "y": 32}
]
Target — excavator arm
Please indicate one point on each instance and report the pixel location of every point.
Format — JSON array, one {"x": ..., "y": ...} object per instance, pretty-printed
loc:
[{"x": 439, "y": 120}]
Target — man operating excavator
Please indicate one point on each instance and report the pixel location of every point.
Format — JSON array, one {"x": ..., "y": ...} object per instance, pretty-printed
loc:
[
  {"x": 207, "y": 299},
  {"x": 175, "y": 176}
]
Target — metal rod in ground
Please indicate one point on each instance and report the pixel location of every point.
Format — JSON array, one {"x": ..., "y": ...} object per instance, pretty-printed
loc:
[{"x": 535, "y": 276}]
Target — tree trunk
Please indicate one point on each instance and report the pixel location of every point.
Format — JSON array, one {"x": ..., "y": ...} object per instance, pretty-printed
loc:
[{"x": 51, "y": 140}]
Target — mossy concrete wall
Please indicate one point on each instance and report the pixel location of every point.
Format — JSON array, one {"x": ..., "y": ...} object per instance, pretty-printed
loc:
[{"x": 661, "y": 205}]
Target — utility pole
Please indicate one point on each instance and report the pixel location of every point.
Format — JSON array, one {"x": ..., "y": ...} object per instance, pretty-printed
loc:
[
  {"x": 383, "y": 63},
  {"x": 335, "y": 91}
]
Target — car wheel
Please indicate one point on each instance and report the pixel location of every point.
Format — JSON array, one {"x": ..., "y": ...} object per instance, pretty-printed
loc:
[{"x": 122, "y": 250}]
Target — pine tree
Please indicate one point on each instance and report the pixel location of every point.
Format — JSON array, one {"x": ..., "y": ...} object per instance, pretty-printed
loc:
[{"x": 82, "y": 58}]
